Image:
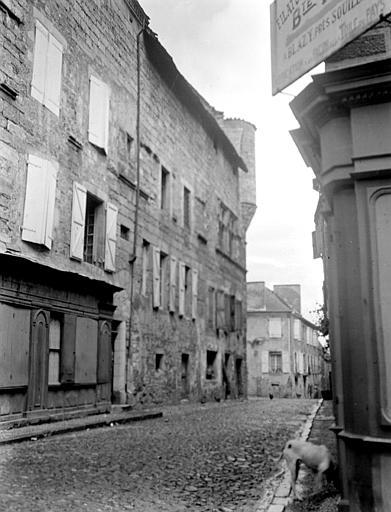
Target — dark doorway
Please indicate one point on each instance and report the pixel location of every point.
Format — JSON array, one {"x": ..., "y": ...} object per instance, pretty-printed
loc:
[
  {"x": 185, "y": 376},
  {"x": 239, "y": 378},
  {"x": 38, "y": 372},
  {"x": 225, "y": 373}
]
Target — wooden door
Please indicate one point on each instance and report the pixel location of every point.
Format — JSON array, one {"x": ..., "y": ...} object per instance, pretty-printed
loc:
[{"x": 38, "y": 371}]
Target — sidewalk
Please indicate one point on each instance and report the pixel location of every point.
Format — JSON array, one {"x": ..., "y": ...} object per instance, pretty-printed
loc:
[
  {"x": 35, "y": 432},
  {"x": 317, "y": 431}
]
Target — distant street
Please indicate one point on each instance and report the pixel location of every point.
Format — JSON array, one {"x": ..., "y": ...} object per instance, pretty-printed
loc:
[{"x": 197, "y": 457}]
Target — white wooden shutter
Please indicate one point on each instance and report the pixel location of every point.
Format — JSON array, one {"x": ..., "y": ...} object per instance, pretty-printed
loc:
[
  {"x": 275, "y": 327},
  {"x": 98, "y": 113},
  {"x": 194, "y": 293},
  {"x": 156, "y": 276},
  {"x": 265, "y": 361},
  {"x": 78, "y": 221},
  {"x": 182, "y": 278},
  {"x": 51, "y": 181},
  {"x": 111, "y": 236},
  {"x": 285, "y": 362},
  {"x": 33, "y": 229},
  {"x": 296, "y": 329},
  {"x": 53, "y": 75},
  {"x": 173, "y": 267},
  {"x": 40, "y": 62}
]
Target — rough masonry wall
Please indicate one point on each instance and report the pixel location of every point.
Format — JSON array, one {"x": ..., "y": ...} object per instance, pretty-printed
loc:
[{"x": 100, "y": 39}]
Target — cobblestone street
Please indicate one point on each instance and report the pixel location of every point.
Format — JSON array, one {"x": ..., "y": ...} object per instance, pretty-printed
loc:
[{"x": 197, "y": 457}]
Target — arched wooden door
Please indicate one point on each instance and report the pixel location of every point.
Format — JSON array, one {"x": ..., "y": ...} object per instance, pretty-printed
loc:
[{"x": 37, "y": 391}]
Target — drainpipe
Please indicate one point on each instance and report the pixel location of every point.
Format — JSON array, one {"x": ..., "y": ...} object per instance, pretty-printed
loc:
[{"x": 133, "y": 255}]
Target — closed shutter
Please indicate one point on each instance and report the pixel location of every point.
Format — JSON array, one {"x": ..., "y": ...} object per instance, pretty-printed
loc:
[
  {"x": 194, "y": 291},
  {"x": 98, "y": 113},
  {"x": 33, "y": 229},
  {"x": 173, "y": 267},
  {"x": 275, "y": 330},
  {"x": 39, "y": 201},
  {"x": 182, "y": 278},
  {"x": 220, "y": 310},
  {"x": 111, "y": 236},
  {"x": 285, "y": 362},
  {"x": 86, "y": 350},
  {"x": 104, "y": 353},
  {"x": 53, "y": 79},
  {"x": 40, "y": 62},
  {"x": 265, "y": 361},
  {"x": 156, "y": 276},
  {"x": 67, "y": 358},
  {"x": 78, "y": 221},
  {"x": 51, "y": 182}
]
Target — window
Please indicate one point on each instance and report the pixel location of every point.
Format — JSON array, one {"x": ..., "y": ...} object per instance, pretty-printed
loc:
[
  {"x": 93, "y": 230},
  {"x": 164, "y": 190},
  {"x": 275, "y": 362},
  {"x": 158, "y": 362},
  {"x": 55, "y": 329},
  {"x": 186, "y": 207},
  {"x": 296, "y": 329},
  {"x": 228, "y": 231},
  {"x": 145, "y": 267},
  {"x": 39, "y": 201},
  {"x": 98, "y": 123},
  {"x": 124, "y": 232},
  {"x": 187, "y": 290},
  {"x": 156, "y": 290},
  {"x": 275, "y": 327},
  {"x": 93, "y": 225},
  {"x": 173, "y": 279},
  {"x": 47, "y": 69},
  {"x": 211, "y": 357}
]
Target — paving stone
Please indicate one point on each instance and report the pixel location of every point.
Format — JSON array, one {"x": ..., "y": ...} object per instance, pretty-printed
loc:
[{"x": 177, "y": 463}]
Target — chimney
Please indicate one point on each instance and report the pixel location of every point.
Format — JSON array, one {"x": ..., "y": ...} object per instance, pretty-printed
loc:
[
  {"x": 256, "y": 299},
  {"x": 290, "y": 293}
]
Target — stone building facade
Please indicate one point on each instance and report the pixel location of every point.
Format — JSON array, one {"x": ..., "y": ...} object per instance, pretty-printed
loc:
[
  {"x": 285, "y": 358},
  {"x": 122, "y": 245}
]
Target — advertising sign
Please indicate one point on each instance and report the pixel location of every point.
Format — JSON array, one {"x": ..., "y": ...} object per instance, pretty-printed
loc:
[{"x": 306, "y": 32}]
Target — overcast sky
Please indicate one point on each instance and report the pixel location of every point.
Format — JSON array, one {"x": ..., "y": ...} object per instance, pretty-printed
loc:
[{"x": 222, "y": 48}]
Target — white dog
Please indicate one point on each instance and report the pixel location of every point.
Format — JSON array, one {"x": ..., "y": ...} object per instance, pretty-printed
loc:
[{"x": 314, "y": 456}]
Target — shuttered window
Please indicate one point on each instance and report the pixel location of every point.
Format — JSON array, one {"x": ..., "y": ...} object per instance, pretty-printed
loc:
[
  {"x": 39, "y": 201},
  {"x": 98, "y": 122},
  {"x": 47, "y": 69},
  {"x": 93, "y": 229},
  {"x": 275, "y": 327},
  {"x": 173, "y": 279},
  {"x": 111, "y": 236},
  {"x": 156, "y": 276},
  {"x": 182, "y": 290},
  {"x": 297, "y": 329},
  {"x": 194, "y": 290}
]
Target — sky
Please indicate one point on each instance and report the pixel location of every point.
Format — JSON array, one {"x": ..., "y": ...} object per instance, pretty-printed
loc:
[{"x": 222, "y": 47}]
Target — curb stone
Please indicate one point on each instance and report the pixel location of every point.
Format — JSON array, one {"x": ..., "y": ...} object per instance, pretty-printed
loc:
[
  {"x": 35, "y": 432},
  {"x": 276, "y": 500}
]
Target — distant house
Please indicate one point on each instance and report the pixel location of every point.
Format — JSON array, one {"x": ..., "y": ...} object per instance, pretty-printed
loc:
[{"x": 284, "y": 355}]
